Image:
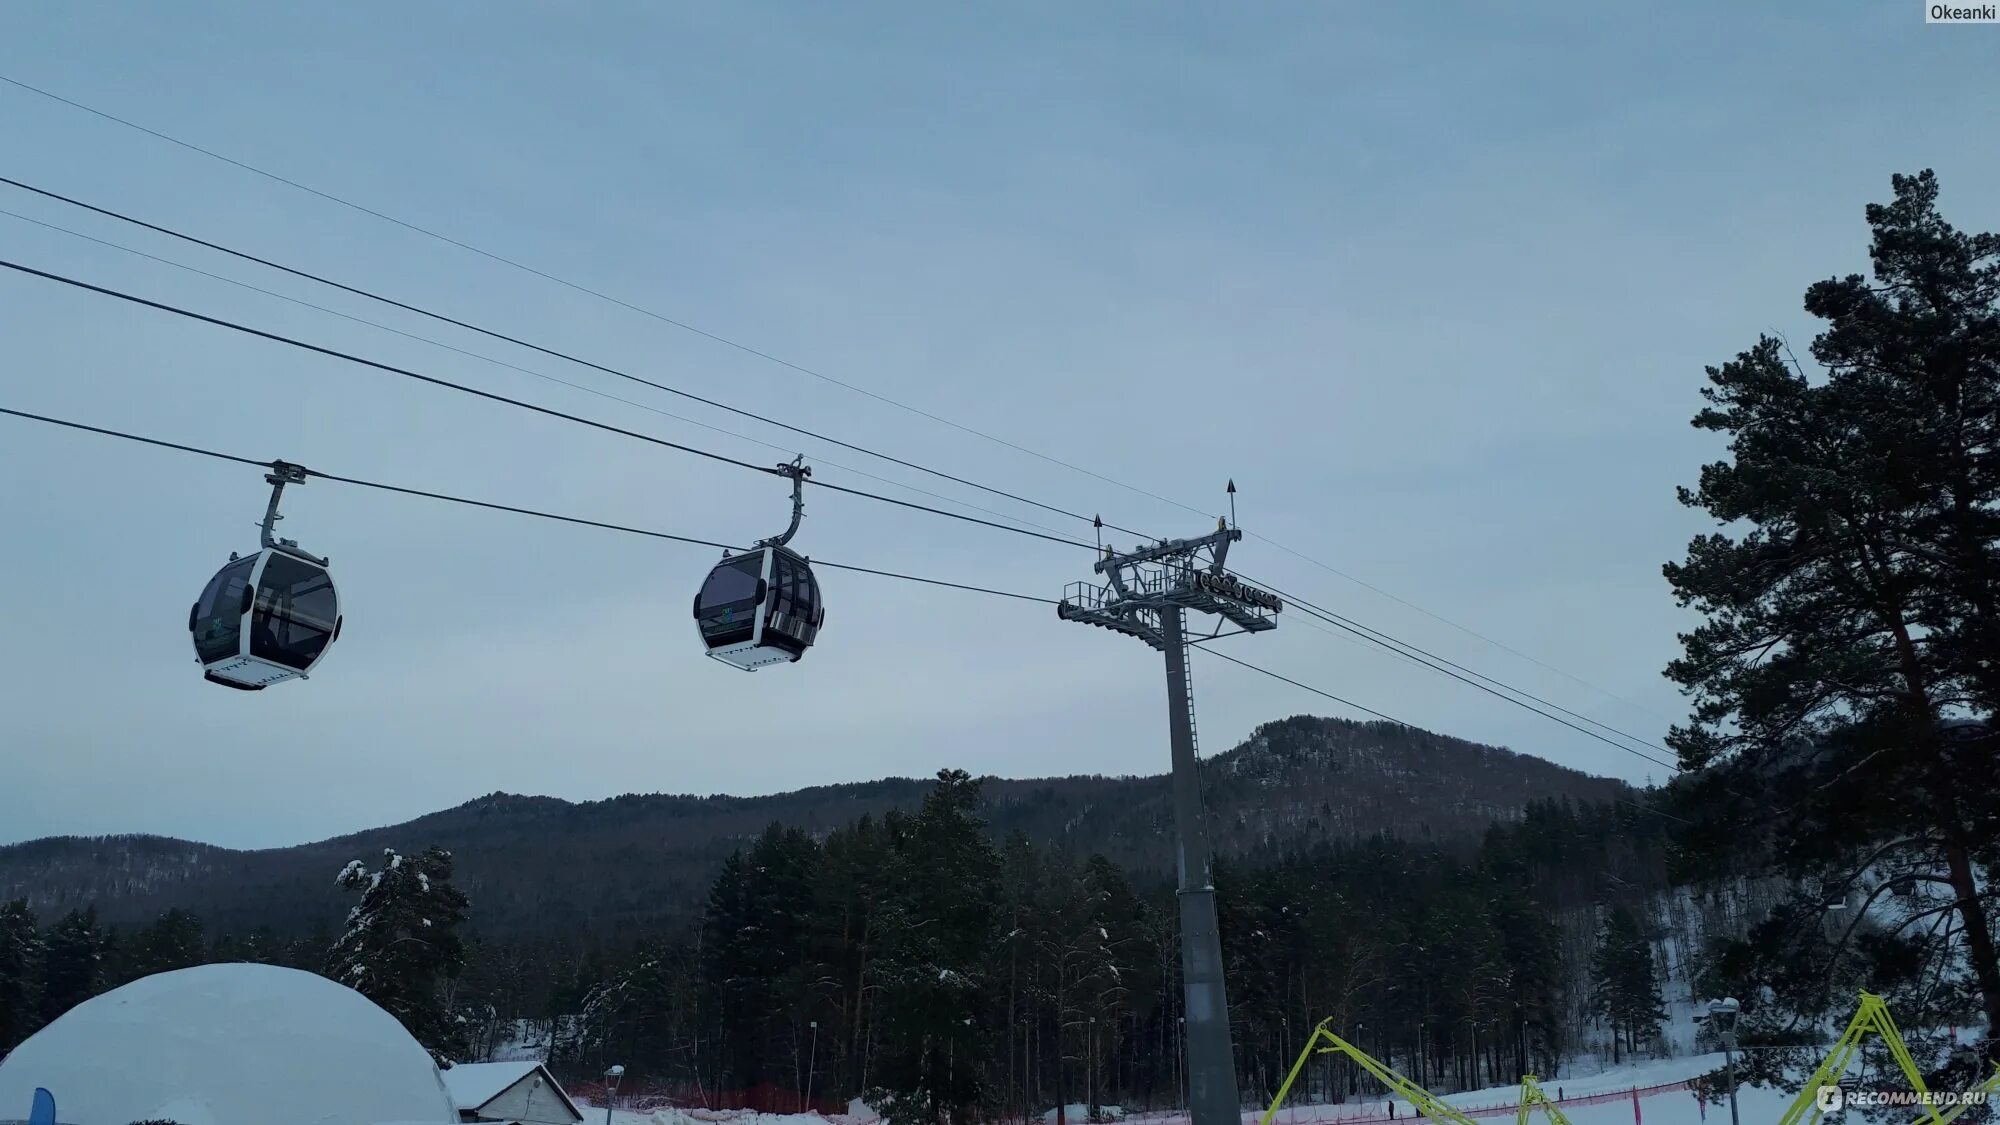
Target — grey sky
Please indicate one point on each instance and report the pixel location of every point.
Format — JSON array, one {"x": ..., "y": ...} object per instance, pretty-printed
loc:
[{"x": 1434, "y": 284}]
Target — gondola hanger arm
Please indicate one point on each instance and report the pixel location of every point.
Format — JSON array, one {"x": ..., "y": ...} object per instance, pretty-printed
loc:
[
  {"x": 283, "y": 473},
  {"x": 798, "y": 471}
]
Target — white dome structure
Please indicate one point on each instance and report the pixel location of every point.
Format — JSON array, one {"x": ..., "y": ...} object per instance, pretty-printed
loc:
[{"x": 228, "y": 1045}]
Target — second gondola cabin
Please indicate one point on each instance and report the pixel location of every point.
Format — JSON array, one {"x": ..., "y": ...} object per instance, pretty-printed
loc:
[
  {"x": 759, "y": 608},
  {"x": 265, "y": 618}
]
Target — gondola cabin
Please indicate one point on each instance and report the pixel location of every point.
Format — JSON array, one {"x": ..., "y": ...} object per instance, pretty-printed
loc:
[
  {"x": 265, "y": 618},
  {"x": 759, "y": 608}
]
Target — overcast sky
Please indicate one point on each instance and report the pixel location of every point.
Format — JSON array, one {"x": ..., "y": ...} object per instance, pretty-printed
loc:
[{"x": 1434, "y": 283}]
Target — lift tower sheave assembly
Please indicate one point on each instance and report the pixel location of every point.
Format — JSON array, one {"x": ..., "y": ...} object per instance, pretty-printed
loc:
[{"x": 1146, "y": 594}]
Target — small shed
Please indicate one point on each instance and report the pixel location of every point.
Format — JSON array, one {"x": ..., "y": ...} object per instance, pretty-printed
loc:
[{"x": 515, "y": 1093}]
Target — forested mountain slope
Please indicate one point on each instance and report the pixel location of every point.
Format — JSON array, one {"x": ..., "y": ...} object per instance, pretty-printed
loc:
[{"x": 533, "y": 865}]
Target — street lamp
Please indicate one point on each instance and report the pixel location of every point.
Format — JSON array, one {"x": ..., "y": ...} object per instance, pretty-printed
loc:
[
  {"x": 812, "y": 1059},
  {"x": 1090, "y": 1079},
  {"x": 611, "y": 1078},
  {"x": 1723, "y": 1013}
]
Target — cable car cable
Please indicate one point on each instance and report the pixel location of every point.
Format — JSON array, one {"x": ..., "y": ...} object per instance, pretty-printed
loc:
[
  {"x": 278, "y": 338},
  {"x": 1671, "y": 767},
  {"x": 551, "y": 412},
  {"x": 761, "y": 418},
  {"x": 1521, "y": 703},
  {"x": 1387, "y": 717},
  {"x": 1393, "y": 644},
  {"x": 519, "y": 342},
  {"x": 246, "y": 256},
  {"x": 1467, "y": 630},
  {"x": 330, "y": 197},
  {"x": 491, "y": 505},
  {"x": 446, "y": 497},
  {"x": 1316, "y": 691},
  {"x": 497, "y": 362},
  {"x": 602, "y": 296}
]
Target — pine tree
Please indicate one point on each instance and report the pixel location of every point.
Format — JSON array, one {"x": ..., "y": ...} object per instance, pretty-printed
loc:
[
  {"x": 307, "y": 952},
  {"x": 73, "y": 963},
  {"x": 1626, "y": 982},
  {"x": 173, "y": 941},
  {"x": 401, "y": 948},
  {"x": 20, "y": 965},
  {"x": 640, "y": 1014},
  {"x": 258, "y": 947},
  {"x": 762, "y": 957},
  {"x": 852, "y": 891},
  {"x": 939, "y": 940},
  {"x": 1860, "y": 607}
]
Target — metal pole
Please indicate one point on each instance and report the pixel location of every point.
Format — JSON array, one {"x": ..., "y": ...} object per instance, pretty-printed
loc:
[
  {"x": 1729, "y": 1068},
  {"x": 1212, "y": 1094},
  {"x": 812, "y": 1060}
]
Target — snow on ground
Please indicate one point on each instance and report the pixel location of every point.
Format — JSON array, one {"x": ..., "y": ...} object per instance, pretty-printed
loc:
[
  {"x": 594, "y": 1113},
  {"x": 1667, "y": 1107},
  {"x": 1663, "y": 1107},
  {"x": 1078, "y": 1114}
]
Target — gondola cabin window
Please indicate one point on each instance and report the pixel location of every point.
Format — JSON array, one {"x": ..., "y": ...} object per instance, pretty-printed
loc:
[
  {"x": 295, "y": 613},
  {"x": 218, "y": 619}
]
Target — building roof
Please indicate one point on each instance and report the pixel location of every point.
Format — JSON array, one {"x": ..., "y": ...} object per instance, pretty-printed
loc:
[
  {"x": 472, "y": 1085},
  {"x": 228, "y": 1045}
]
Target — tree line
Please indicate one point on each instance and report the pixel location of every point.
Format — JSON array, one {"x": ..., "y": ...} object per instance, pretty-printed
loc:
[
  {"x": 917, "y": 962},
  {"x": 943, "y": 974}
]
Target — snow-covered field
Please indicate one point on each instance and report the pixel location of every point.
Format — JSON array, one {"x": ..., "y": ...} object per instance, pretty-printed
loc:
[
  {"x": 593, "y": 1114},
  {"x": 1667, "y": 1107},
  {"x": 1670, "y": 1107}
]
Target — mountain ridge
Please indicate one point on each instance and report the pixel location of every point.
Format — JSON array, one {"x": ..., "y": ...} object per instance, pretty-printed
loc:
[{"x": 535, "y": 865}]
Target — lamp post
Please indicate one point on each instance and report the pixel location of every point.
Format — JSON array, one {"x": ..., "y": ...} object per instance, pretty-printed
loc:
[
  {"x": 1180, "y": 1059},
  {"x": 1724, "y": 1012},
  {"x": 812, "y": 1059},
  {"x": 1090, "y": 1069},
  {"x": 1285, "y": 1052},
  {"x": 611, "y": 1078},
  {"x": 1346, "y": 1065}
]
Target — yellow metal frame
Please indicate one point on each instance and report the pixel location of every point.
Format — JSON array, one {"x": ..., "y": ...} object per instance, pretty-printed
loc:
[
  {"x": 1873, "y": 1015},
  {"x": 1434, "y": 1111},
  {"x": 1531, "y": 1096}
]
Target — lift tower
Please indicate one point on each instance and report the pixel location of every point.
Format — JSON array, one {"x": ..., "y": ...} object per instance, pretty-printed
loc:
[{"x": 1145, "y": 594}]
